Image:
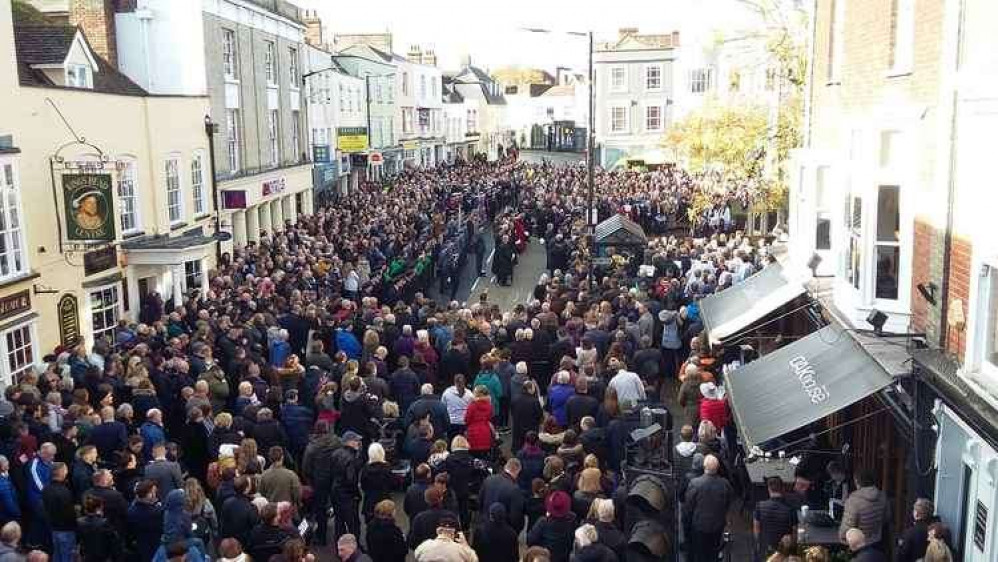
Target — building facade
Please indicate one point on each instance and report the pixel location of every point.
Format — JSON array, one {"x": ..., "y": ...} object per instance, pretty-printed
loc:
[
  {"x": 487, "y": 111},
  {"x": 634, "y": 93},
  {"x": 146, "y": 216},
  {"x": 891, "y": 192},
  {"x": 384, "y": 156}
]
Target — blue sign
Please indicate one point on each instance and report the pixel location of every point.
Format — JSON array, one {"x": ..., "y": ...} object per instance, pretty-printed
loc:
[
  {"x": 324, "y": 176},
  {"x": 320, "y": 154}
]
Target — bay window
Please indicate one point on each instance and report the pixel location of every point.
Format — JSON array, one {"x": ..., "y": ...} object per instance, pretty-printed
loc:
[
  {"x": 105, "y": 310},
  {"x": 13, "y": 259}
]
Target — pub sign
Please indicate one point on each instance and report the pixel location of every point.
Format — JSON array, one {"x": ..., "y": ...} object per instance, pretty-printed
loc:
[
  {"x": 89, "y": 206},
  {"x": 69, "y": 320}
]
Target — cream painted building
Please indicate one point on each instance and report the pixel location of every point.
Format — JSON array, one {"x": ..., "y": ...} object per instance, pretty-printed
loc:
[{"x": 155, "y": 150}]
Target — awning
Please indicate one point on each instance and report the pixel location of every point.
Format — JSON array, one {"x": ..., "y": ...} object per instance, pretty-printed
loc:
[
  {"x": 801, "y": 383},
  {"x": 726, "y": 313}
]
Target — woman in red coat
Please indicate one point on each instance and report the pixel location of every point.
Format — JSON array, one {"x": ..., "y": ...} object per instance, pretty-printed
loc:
[
  {"x": 520, "y": 233},
  {"x": 478, "y": 421},
  {"x": 713, "y": 407}
]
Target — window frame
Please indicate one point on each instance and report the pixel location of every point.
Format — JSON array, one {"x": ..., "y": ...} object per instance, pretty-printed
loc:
[
  {"x": 198, "y": 184},
  {"x": 128, "y": 206},
  {"x": 189, "y": 274},
  {"x": 661, "y": 118},
  {"x": 296, "y": 136},
  {"x": 273, "y": 136},
  {"x": 270, "y": 63},
  {"x": 116, "y": 308},
  {"x": 233, "y": 140},
  {"x": 177, "y": 189},
  {"x": 836, "y": 40},
  {"x": 661, "y": 75},
  {"x": 626, "y": 128},
  {"x": 294, "y": 74},
  {"x": 74, "y": 72},
  {"x": 230, "y": 54},
  {"x": 14, "y": 237},
  {"x": 622, "y": 87},
  {"x": 8, "y": 374},
  {"x": 902, "y": 37},
  {"x": 986, "y": 318},
  {"x": 700, "y": 80}
]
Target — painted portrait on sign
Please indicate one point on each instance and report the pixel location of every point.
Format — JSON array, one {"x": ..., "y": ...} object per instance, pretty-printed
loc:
[{"x": 89, "y": 207}]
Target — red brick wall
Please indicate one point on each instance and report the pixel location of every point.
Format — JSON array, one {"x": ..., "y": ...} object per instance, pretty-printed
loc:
[
  {"x": 959, "y": 292},
  {"x": 96, "y": 18},
  {"x": 921, "y": 273}
]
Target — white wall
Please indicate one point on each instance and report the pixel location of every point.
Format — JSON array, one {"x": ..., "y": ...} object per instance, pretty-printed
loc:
[{"x": 165, "y": 54}]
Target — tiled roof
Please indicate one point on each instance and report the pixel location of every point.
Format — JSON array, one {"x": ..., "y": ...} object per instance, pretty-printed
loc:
[
  {"x": 560, "y": 91},
  {"x": 50, "y": 44}
]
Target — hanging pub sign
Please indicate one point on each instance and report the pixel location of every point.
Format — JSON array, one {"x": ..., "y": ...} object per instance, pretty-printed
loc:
[
  {"x": 69, "y": 320},
  {"x": 89, "y": 205}
]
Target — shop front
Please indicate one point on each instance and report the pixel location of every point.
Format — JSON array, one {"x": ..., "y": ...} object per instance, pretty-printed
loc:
[{"x": 257, "y": 206}]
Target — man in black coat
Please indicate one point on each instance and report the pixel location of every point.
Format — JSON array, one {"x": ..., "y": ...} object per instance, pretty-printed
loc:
[
  {"x": 429, "y": 405},
  {"x": 115, "y": 505},
  {"x": 915, "y": 539},
  {"x": 345, "y": 490},
  {"x": 580, "y": 404},
  {"x": 239, "y": 515},
  {"x": 424, "y": 524},
  {"x": 60, "y": 511},
  {"x": 502, "y": 488},
  {"x": 268, "y": 432},
  {"x": 145, "y": 521},
  {"x": 109, "y": 436},
  {"x": 317, "y": 469},
  {"x": 705, "y": 511}
]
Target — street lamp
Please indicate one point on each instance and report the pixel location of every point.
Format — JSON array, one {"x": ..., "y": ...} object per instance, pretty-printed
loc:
[{"x": 590, "y": 144}]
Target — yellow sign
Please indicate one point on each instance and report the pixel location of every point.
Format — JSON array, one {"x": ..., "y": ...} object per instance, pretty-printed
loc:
[
  {"x": 410, "y": 145},
  {"x": 351, "y": 139}
]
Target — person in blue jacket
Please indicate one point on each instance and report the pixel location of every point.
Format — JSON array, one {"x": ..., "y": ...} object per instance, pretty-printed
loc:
[
  {"x": 347, "y": 343},
  {"x": 10, "y": 510}
]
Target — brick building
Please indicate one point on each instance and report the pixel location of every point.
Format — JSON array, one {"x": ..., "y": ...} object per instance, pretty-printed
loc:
[{"x": 891, "y": 192}]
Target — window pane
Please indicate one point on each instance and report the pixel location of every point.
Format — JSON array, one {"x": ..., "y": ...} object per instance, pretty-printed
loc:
[
  {"x": 888, "y": 270},
  {"x": 991, "y": 338},
  {"x": 888, "y": 214},
  {"x": 823, "y": 234}
]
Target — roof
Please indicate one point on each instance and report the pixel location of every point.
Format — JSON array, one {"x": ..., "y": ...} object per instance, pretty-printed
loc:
[
  {"x": 559, "y": 91},
  {"x": 801, "y": 383},
  {"x": 635, "y": 42},
  {"x": 619, "y": 229},
  {"x": 539, "y": 89},
  {"x": 192, "y": 239},
  {"x": 50, "y": 44}
]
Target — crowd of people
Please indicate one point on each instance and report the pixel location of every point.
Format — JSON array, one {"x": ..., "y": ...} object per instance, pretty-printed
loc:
[{"x": 316, "y": 381}]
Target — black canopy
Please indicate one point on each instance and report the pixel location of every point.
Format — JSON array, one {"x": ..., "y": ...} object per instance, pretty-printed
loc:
[
  {"x": 619, "y": 230},
  {"x": 726, "y": 313},
  {"x": 802, "y": 383}
]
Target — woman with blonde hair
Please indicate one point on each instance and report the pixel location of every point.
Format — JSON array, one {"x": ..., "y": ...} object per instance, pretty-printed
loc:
[
  {"x": 937, "y": 551},
  {"x": 202, "y": 512},
  {"x": 376, "y": 479},
  {"x": 816, "y": 554},
  {"x": 385, "y": 541},
  {"x": 590, "y": 488},
  {"x": 248, "y": 459}
]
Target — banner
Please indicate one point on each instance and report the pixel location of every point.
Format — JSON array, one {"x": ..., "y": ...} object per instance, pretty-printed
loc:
[
  {"x": 351, "y": 139},
  {"x": 89, "y": 206}
]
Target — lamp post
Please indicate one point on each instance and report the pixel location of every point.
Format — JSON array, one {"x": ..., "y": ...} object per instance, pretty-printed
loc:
[
  {"x": 590, "y": 144},
  {"x": 210, "y": 129}
]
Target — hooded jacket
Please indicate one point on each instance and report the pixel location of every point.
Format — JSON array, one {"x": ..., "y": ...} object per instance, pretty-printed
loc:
[{"x": 866, "y": 509}]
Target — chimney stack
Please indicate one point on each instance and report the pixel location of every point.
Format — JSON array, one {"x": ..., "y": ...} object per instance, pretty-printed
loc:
[
  {"x": 313, "y": 28},
  {"x": 415, "y": 54},
  {"x": 465, "y": 60},
  {"x": 96, "y": 19},
  {"x": 430, "y": 57}
]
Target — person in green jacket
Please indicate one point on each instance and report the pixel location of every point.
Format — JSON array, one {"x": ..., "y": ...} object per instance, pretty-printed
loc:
[{"x": 488, "y": 378}]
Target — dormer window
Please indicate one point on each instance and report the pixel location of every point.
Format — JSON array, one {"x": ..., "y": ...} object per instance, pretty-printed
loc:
[{"x": 78, "y": 76}]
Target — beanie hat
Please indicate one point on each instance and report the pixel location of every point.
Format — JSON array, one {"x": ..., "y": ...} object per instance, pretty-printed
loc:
[{"x": 558, "y": 504}]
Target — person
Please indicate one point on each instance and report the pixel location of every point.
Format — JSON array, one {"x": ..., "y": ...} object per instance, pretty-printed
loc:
[
  {"x": 937, "y": 551},
  {"x": 267, "y": 537},
  {"x": 478, "y": 420},
  {"x": 607, "y": 531},
  {"x": 773, "y": 518},
  {"x": 456, "y": 398},
  {"x": 317, "y": 471},
  {"x": 915, "y": 539},
  {"x": 495, "y": 540},
  {"x": 39, "y": 471},
  {"x": 463, "y": 469},
  {"x": 278, "y": 483},
  {"x": 628, "y": 385},
  {"x": 345, "y": 495},
  {"x": 99, "y": 541},
  {"x": 589, "y": 489},
  {"x": 449, "y": 545},
  {"x": 503, "y": 260},
  {"x": 385, "y": 542},
  {"x": 165, "y": 472},
  {"x": 536, "y": 554},
  {"x": 817, "y": 554},
  {"x": 239, "y": 516},
  {"x": 60, "y": 514},
  {"x": 527, "y": 413},
  {"x": 689, "y": 395},
  {"x": 580, "y": 405},
  {"x": 865, "y": 509},
  {"x": 713, "y": 407},
  {"x": 347, "y": 549},
  {"x": 10, "y": 506},
  {"x": 558, "y": 396},
  {"x": 376, "y": 480},
  {"x": 554, "y": 530},
  {"x": 145, "y": 520},
  {"x": 10, "y": 539},
  {"x": 862, "y": 549},
  {"x": 587, "y": 547},
  {"x": 503, "y": 488},
  {"x": 705, "y": 511},
  {"x": 425, "y": 523},
  {"x": 429, "y": 406}
]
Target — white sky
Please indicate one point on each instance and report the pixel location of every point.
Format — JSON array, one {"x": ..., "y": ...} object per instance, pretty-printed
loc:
[{"x": 488, "y": 30}]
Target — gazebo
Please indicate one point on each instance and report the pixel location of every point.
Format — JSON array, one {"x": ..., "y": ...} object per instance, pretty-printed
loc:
[{"x": 621, "y": 234}]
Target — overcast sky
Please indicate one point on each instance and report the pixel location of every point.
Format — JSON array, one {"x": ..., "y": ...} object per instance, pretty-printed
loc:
[{"x": 488, "y": 30}]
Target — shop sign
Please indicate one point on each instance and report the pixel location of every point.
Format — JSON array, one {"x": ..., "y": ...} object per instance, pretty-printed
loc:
[
  {"x": 12, "y": 305},
  {"x": 410, "y": 145},
  {"x": 375, "y": 158},
  {"x": 320, "y": 154},
  {"x": 234, "y": 199},
  {"x": 273, "y": 186},
  {"x": 325, "y": 176},
  {"x": 358, "y": 160},
  {"x": 100, "y": 260},
  {"x": 69, "y": 319},
  {"x": 805, "y": 374},
  {"x": 351, "y": 139},
  {"x": 89, "y": 207}
]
